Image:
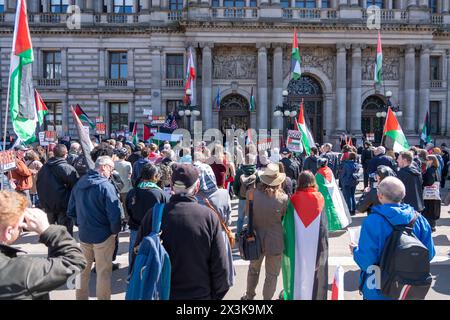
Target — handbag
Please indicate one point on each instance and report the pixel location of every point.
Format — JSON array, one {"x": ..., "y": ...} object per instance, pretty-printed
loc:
[
  {"x": 227, "y": 230},
  {"x": 249, "y": 243},
  {"x": 432, "y": 192}
]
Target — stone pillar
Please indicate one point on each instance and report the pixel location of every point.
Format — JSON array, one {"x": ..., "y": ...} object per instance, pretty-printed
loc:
[
  {"x": 343, "y": 2},
  {"x": 103, "y": 112},
  {"x": 110, "y": 4},
  {"x": 412, "y": 3},
  {"x": 356, "y": 90},
  {"x": 156, "y": 81},
  {"x": 145, "y": 6},
  {"x": 64, "y": 73},
  {"x": 135, "y": 6},
  {"x": 261, "y": 102},
  {"x": 80, "y": 4},
  {"x": 328, "y": 116},
  {"x": 341, "y": 88},
  {"x": 130, "y": 66},
  {"x": 102, "y": 63},
  {"x": 36, "y": 64},
  {"x": 445, "y": 6},
  {"x": 45, "y": 6},
  {"x": 389, "y": 4},
  {"x": 65, "y": 115},
  {"x": 333, "y": 4},
  {"x": 424, "y": 89},
  {"x": 132, "y": 111},
  {"x": 207, "y": 114},
  {"x": 33, "y": 6},
  {"x": 99, "y": 6},
  {"x": 447, "y": 129},
  {"x": 423, "y": 3},
  {"x": 409, "y": 110},
  {"x": 364, "y": 4},
  {"x": 90, "y": 6},
  {"x": 318, "y": 4},
  {"x": 277, "y": 92}
]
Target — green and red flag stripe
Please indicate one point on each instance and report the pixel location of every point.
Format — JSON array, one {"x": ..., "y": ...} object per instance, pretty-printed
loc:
[
  {"x": 296, "y": 69},
  {"x": 379, "y": 62},
  {"x": 394, "y": 132},
  {"x": 83, "y": 116},
  {"x": 41, "y": 108}
]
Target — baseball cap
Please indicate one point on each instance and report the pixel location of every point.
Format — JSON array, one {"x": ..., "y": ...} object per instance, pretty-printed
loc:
[
  {"x": 21, "y": 148},
  {"x": 285, "y": 151},
  {"x": 184, "y": 175}
]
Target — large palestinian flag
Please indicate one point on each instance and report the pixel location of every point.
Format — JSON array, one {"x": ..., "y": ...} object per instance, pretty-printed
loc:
[
  {"x": 394, "y": 133},
  {"x": 305, "y": 257},
  {"x": 307, "y": 138},
  {"x": 21, "y": 93},
  {"x": 336, "y": 208}
]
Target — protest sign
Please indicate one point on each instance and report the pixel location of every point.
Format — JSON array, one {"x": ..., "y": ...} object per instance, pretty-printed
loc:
[
  {"x": 264, "y": 144},
  {"x": 7, "y": 160},
  {"x": 294, "y": 142},
  {"x": 50, "y": 136},
  {"x": 100, "y": 128}
]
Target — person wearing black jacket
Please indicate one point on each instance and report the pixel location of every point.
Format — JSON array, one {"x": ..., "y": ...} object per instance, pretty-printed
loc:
[
  {"x": 446, "y": 159},
  {"x": 432, "y": 211},
  {"x": 135, "y": 156},
  {"x": 191, "y": 235},
  {"x": 32, "y": 278},
  {"x": 141, "y": 199},
  {"x": 54, "y": 184},
  {"x": 366, "y": 156},
  {"x": 291, "y": 167},
  {"x": 411, "y": 177},
  {"x": 311, "y": 161}
]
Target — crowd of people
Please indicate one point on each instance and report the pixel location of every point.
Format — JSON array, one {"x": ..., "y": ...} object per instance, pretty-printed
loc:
[{"x": 196, "y": 186}]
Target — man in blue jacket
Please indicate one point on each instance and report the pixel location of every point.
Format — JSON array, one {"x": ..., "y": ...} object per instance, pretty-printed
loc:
[
  {"x": 94, "y": 206},
  {"x": 375, "y": 231}
]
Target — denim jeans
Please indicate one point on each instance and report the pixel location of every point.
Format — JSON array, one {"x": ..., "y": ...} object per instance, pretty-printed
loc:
[
  {"x": 241, "y": 216},
  {"x": 133, "y": 235},
  {"x": 349, "y": 196}
]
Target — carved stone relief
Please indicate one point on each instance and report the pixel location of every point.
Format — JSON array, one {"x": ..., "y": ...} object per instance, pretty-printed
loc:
[
  {"x": 321, "y": 58},
  {"x": 391, "y": 63},
  {"x": 235, "y": 63}
]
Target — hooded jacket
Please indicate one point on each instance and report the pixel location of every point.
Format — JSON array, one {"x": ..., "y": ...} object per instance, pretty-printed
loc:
[
  {"x": 349, "y": 167},
  {"x": 412, "y": 179},
  {"x": 380, "y": 160},
  {"x": 311, "y": 164},
  {"x": 137, "y": 168},
  {"x": 54, "y": 183},
  {"x": 245, "y": 169},
  {"x": 374, "y": 232},
  {"x": 94, "y": 207}
]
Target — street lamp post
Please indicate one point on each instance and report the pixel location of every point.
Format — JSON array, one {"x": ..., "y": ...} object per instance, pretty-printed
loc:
[
  {"x": 286, "y": 111},
  {"x": 188, "y": 110},
  {"x": 395, "y": 109}
]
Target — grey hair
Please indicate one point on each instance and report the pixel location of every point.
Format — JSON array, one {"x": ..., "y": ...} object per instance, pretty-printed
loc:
[
  {"x": 75, "y": 146},
  {"x": 189, "y": 191},
  {"x": 392, "y": 189},
  {"x": 328, "y": 145},
  {"x": 103, "y": 161},
  {"x": 379, "y": 150}
]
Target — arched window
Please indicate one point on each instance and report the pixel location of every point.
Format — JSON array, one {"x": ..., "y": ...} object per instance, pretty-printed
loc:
[
  {"x": 378, "y": 3},
  {"x": 305, "y": 3}
]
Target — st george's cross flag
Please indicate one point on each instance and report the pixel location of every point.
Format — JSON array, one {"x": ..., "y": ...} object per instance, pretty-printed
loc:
[
  {"x": 336, "y": 208},
  {"x": 304, "y": 262}
]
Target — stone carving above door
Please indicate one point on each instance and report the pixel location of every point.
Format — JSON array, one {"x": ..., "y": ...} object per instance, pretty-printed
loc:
[
  {"x": 391, "y": 63},
  {"x": 234, "y": 63},
  {"x": 321, "y": 58}
]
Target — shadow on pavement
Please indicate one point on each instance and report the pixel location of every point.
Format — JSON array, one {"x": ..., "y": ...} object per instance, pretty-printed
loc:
[
  {"x": 441, "y": 240},
  {"x": 441, "y": 284}
]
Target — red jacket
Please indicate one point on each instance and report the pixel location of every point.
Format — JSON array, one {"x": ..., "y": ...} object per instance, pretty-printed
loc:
[{"x": 22, "y": 176}]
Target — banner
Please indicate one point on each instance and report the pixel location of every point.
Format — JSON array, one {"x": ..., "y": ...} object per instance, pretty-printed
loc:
[
  {"x": 42, "y": 141},
  {"x": 264, "y": 144},
  {"x": 50, "y": 136},
  {"x": 158, "y": 121},
  {"x": 99, "y": 119},
  {"x": 294, "y": 141},
  {"x": 100, "y": 128},
  {"x": 7, "y": 160}
]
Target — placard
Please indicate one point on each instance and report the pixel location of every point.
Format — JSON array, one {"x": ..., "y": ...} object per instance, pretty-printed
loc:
[
  {"x": 148, "y": 112},
  {"x": 7, "y": 160},
  {"x": 99, "y": 119},
  {"x": 50, "y": 136},
  {"x": 100, "y": 128},
  {"x": 42, "y": 141},
  {"x": 264, "y": 144},
  {"x": 294, "y": 142}
]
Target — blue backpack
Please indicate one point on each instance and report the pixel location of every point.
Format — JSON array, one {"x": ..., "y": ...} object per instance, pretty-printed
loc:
[{"x": 150, "y": 277}]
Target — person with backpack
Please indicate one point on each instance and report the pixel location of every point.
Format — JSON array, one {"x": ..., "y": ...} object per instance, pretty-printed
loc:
[
  {"x": 349, "y": 180},
  {"x": 141, "y": 199},
  {"x": 191, "y": 235},
  {"x": 291, "y": 166},
  {"x": 246, "y": 178},
  {"x": 378, "y": 247}
]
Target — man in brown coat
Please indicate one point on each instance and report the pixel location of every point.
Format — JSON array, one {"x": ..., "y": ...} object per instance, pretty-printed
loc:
[{"x": 22, "y": 176}]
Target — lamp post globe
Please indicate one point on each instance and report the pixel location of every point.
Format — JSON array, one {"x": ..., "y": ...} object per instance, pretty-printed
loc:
[
  {"x": 196, "y": 113},
  {"x": 187, "y": 113},
  {"x": 293, "y": 114},
  {"x": 188, "y": 92},
  {"x": 285, "y": 93},
  {"x": 181, "y": 113}
]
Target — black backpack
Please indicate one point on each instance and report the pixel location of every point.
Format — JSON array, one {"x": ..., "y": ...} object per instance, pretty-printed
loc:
[{"x": 404, "y": 264}]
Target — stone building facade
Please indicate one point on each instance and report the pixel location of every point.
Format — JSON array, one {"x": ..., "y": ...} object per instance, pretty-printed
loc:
[{"x": 128, "y": 55}]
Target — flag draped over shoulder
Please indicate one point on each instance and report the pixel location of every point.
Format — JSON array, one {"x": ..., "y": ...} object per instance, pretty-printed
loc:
[
  {"x": 393, "y": 131},
  {"x": 41, "y": 108},
  {"x": 425, "y": 136},
  {"x": 336, "y": 208},
  {"x": 21, "y": 93},
  {"x": 307, "y": 138},
  {"x": 83, "y": 116},
  {"x": 296, "y": 69},
  {"x": 85, "y": 141},
  {"x": 378, "y": 62},
  {"x": 304, "y": 263}
]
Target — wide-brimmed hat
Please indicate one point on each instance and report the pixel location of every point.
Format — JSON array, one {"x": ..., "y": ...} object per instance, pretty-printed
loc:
[{"x": 272, "y": 175}]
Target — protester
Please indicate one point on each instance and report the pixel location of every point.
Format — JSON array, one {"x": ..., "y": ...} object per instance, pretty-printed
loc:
[
  {"x": 305, "y": 258},
  {"x": 137, "y": 167},
  {"x": 192, "y": 238},
  {"x": 446, "y": 160},
  {"x": 412, "y": 179},
  {"x": 432, "y": 208},
  {"x": 95, "y": 208},
  {"x": 349, "y": 180},
  {"x": 219, "y": 165},
  {"x": 21, "y": 175},
  {"x": 291, "y": 167},
  {"x": 185, "y": 156},
  {"x": 369, "y": 198},
  {"x": 380, "y": 159},
  {"x": 438, "y": 154},
  {"x": 74, "y": 153},
  {"x": 31, "y": 278},
  {"x": 332, "y": 158},
  {"x": 366, "y": 156},
  {"x": 270, "y": 205},
  {"x": 135, "y": 156},
  {"x": 310, "y": 163},
  {"x": 375, "y": 230},
  {"x": 153, "y": 156},
  {"x": 34, "y": 165},
  {"x": 125, "y": 170},
  {"x": 287, "y": 185},
  {"x": 141, "y": 199}
]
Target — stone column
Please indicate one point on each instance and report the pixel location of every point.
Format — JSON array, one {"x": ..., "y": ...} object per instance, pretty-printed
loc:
[
  {"x": 447, "y": 129},
  {"x": 424, "y": 89},
  {"x": 341, "y": 87},
  {"x": 102, "y": 63},
  {"x": 207, "y": 114},
  {"x": 318, "y": 4},
  {"x": 423, "y": 3},
  {"x": 64, "y": 69},
  {"x": 99, "y": 6},
  {"x": 130, "y": 67},
  {"x": 328, "y": 116},
  {"x": 110, "y": 4},
  {"x": 45, "y": 6},
  {"x": 80, "y": 4},
  {"x": 90, "y": 6},
  {"x": 33, "y": 6},
  {"x": 156, "y": 81},
  {"x": 132, "y": 111},
  {"x": 261, "y": 102},
  {"x": 409, "y": 110},
  {"x": 343, "y": 2},
  {"x": 389, "y": 4},
  {"x": 445, "y": 6},
  {"x": 103, "y": 112},
  {"x": 36, "y": 65},
  {"x": 412, "y": 3},
  {"x": 333, "y": 4},
  {"x": 356, "y": 90},
  {"x": 145, "y": 5},
  {"x": 277, "y": 80},
  {"x": 135, "y": 6},
  {"x": 65, "y": 115}
]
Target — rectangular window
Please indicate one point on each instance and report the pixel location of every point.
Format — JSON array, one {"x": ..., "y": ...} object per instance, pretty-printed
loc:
[
  {"x": 435, "y": 68},
  {"x": 59, "y": 6},
  {"x": 52, "y": 65},
  {"x": 378, "y": 3},
  {"x": 53, "y": 120},
  {"x": 118, "y": 116},
  {"x": 435, "y": 118},
  {"x": 118, "y": 65},
  {"x": 285, "y": 3},
  {"x": 215, "y": 3},
  {"x": 173, "y": 107},
  {"x": 2, "y": 6},
  {"x": 174, "y": 66},
  {"x": 123, "y": 6},
  {"x": 325, "y": 4},
  {"x": 253, "y": 3},
  {"x": 176, "y": 5},
  {"x": 432, "y": 4}
]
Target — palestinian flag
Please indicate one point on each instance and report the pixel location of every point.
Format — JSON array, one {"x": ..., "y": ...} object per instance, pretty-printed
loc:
[
  {"x": 252, "y": 101},
  {"x": 191, "y": 74},
  {"x": 305, "y": 256},
  {"x": 295, "y": 64},
  {"x": 337, "y": 289},
  {"x": 394, "y": 132},
  {"x": 147, "y": 131},
  {"x": 336, "y": 208},
  {"x": 134, "y": 134},
  {"x": 307, "y": 139},
  {"x": 41, "y": 108},
  {"x": 83, "y": 116},
  {"x": 425, "y": 137},
  {"x": 22, "y": 104},
  {"x": 378, "y": 62},
  {"x": 85, "y": 141}
]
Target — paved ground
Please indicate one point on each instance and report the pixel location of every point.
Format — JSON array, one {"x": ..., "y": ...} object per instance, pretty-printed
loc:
[{"x": 338, "y": 255}]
